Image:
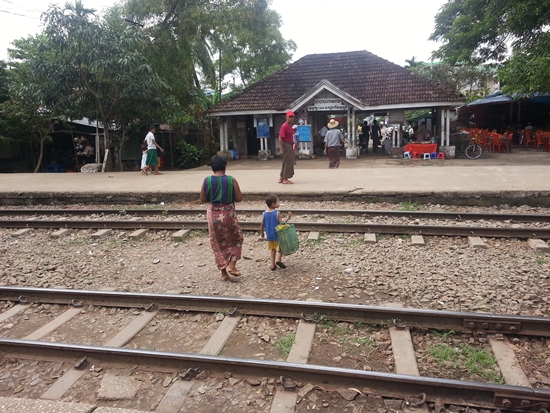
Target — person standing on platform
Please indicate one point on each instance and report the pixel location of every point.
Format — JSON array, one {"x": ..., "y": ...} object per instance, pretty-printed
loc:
[
  {"x": 376, "y": 135},
  {"x": 333, "y": 142},
  {"x": 221, "y": 192},
  {"x": 286, "y": 141},
  {"x": 152, "y": 158},
  {"x": 366, "y": 135}
]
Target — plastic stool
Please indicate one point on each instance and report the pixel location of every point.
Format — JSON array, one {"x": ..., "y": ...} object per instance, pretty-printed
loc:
[
  {"x": 433, "y": 155},
  {"x": 407, "y": 155},
  {"x": 416, "y": 155},
  {"x": 441, "y": 155},
  {"x": 426, "y": 156}
]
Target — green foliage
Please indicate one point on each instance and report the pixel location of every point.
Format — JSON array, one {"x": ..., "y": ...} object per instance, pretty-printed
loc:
[
  {"x": 506, "y": 31},
  {"x": 468, "y": 79},
  {"x": 190, "y": 38},
  {"x": 190, "y": 156},
  {"x": 409, "y": 206},
  {"x": 480, "y": 362},
  {"x": 284, "y": 344}
]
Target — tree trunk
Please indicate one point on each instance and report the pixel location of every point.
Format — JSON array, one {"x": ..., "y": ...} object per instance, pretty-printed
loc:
[
  {"x": 40, "y": 156},
  {"x": 106, "y": 143}
]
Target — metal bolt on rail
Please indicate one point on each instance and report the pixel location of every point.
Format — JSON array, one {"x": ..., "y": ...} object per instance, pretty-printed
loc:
[
  {"x": 79, "y": 365},
  {"x": 287, "y": 385}
]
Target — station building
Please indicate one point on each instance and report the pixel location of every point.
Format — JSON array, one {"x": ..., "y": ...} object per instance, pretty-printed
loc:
[{"x": 350, "y": 85}]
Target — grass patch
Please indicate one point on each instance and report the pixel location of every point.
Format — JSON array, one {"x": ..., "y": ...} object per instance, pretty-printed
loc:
[
  {"x": 341, "y": 330},
  {"x": 540, "y": 259},
  {"x": 353, "y": 243},
  {"x": 443, "y": 335},
  {"x": 405, "y": 237},
  {"x": 284, "y": 344},
  {"x": 409, "y": 206},
  {"x": 79, "y": 241},
  {"x": 318, "y": 241},
  {"x": 480, "y": 362},
  {"x": 199, "y": 233}
]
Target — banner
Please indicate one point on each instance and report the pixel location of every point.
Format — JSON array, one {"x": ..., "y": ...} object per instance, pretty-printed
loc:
[{"x": 262, "y": 128}]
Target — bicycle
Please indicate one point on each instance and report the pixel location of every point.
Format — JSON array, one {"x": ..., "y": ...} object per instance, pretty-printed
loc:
[{"x": 473, "y": 151}]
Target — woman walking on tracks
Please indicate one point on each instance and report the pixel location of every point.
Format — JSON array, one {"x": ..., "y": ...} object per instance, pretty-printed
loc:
[{"x": 226, "y": 238}]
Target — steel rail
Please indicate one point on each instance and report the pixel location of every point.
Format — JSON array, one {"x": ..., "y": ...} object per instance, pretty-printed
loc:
[
  {"x": 457, "y": 216},
  {"x": 459, "y": 392},
  {"x": 434, "y": 230},
  {"x": 407, "y": 317}
]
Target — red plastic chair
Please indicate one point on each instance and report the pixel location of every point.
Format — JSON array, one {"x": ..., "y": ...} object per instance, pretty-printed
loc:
[
  {"x": 528, "y": 137},
  {"x": 541, "y": 144},
  {"x": 497, "y": 142}
]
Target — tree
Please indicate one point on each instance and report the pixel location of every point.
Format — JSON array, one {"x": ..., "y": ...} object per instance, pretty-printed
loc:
[
  {"x": 253, "y": 46},
  {"x": 33, "y": 94},
  {"x": 108, "y": 77},
  {"x": 470, "y": 80},
  {"x": 510, "y": 32},
  {"x": 189, "y": 35},
  {"x": 413, "y": 65}
]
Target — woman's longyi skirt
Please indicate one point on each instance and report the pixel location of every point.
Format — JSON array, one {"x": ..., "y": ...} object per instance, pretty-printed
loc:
[{"x": 226, "y": 237}]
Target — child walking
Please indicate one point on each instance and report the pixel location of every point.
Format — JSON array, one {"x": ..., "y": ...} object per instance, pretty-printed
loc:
[
  {"x": 270, "y": 219},
  {"x": 144, "y": 159}
]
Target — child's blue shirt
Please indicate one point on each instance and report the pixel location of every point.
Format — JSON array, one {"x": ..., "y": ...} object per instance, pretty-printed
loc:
[{"x": 271, "y": 220}]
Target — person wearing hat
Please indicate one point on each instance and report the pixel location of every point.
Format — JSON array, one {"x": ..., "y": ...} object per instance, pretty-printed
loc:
[
  {"x": 286, "y": 141},
  {"x": 333, "y": 142}
]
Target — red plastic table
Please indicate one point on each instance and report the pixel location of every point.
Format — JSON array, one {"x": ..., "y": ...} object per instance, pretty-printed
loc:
[{"x": 421, "y": 147}]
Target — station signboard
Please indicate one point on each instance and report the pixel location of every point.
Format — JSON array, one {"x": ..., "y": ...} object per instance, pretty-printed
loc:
[{"x": 327, "y": 104}]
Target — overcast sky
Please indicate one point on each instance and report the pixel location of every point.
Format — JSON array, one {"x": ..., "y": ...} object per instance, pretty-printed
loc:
[{"x": 395, "y": 30}]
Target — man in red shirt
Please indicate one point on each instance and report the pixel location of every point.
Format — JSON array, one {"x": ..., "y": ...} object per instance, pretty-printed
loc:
[{"x": 286, "y": 140}]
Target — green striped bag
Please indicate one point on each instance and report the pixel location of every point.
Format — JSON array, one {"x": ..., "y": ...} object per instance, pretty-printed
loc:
[{"x": 288, "y": 238}]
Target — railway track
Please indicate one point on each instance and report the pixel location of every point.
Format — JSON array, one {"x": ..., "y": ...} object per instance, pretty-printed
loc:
[
  {"x": 456, "y": 216},
  {"x": 213, "y": 367},
  {"x": 449, "y": 223}
]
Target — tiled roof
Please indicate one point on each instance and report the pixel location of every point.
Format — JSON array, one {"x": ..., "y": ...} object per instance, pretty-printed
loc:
[{"x": 370, "y": 79}]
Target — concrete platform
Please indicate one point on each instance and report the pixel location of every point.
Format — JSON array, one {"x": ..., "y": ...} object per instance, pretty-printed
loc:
[{"x": 516, "y": 178}]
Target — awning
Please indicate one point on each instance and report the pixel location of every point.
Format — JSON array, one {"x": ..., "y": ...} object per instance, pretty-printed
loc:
[{"x": 494, "y": 98}]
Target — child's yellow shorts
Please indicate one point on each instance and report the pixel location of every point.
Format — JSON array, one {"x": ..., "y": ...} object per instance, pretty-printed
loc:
[{"x": 273, "y": 245}]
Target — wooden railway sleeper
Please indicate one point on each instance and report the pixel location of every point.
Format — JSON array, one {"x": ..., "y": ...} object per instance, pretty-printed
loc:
[{"x": 287, "y": 383}]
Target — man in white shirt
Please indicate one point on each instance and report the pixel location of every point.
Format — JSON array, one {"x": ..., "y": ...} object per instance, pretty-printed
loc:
[{"x": 152, "y": 158}]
